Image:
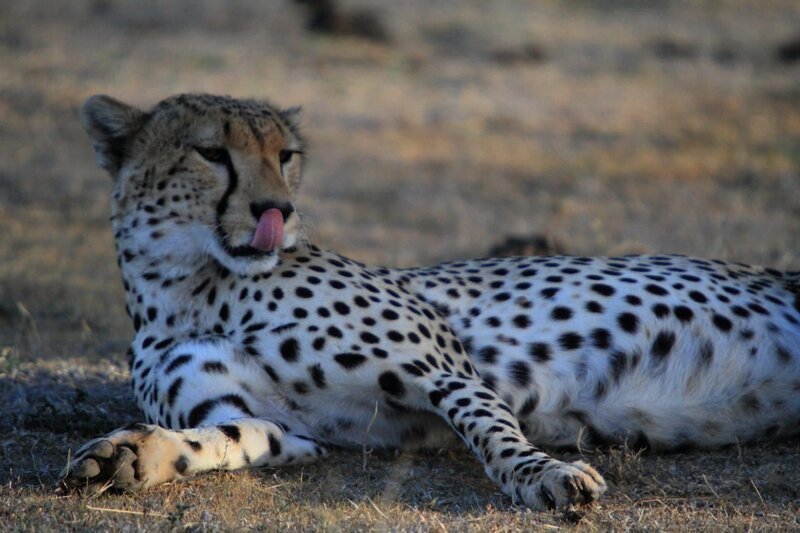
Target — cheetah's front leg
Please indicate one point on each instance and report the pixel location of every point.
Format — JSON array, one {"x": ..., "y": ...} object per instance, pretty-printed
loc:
[
  {"x": 492, "y": 432},
  {"x": 142, "y": 455}
]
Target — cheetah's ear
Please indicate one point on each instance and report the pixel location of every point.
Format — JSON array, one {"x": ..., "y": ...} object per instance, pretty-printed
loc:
[
  {"x": 111, "y": 124},
  {"x": 292, "y": 117}
]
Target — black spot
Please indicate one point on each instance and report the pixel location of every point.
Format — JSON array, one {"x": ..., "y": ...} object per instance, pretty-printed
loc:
[
  {"x": 258, "y": 326},
  {"x": 215, "y": 367},
  {"x": 723, "y": 323},
  {"x": 528, "y": 407},
  {"x": 633, "y": 300},
  {"x": 521, "y": 321},
  {"x": 201, "y": 410},
  {"x": 232, "y": 432},
  {"x": 163, "y": 344},
  {"x": 549, "y": 292},
  {"x": 177, "y": 362},
  {"x": 435, "y": 397},
  {"x": 174, "y": 389},
  {"x": 601, "y": 338},
  {"x": 380, "y": 353},
  {"x": 660, "y": 310},
  {"x": 756, "y": 308},
  {"x": 488, "y": 354},
  {"x": 391, "y": 384},
  {"x": 662, "y": 344},
  {"x": 304, "y": 292},
  {"x": 341, "y": 308},
  {"x": 319, "y": 343},
  {"x": 683, "y": 313},
  {"x": 349, "y": 360},
  {"x": 628, "y": 322},
  {"x": 561, "y": 313},
  {"x": 740, "y": 311},
  {"x": 570, "y": 341},
  {"x": 369, "y": 338},
  {"x": 706, "y": 353},
  {"x": 317, "y": 375},
  {"x": 602, "y": 288},
  {"x": 594, "y": 307},
  {"x": 389, "y": 314},
  {"x": 540, "y": 351},
  {"x": 783, "y": 354},
  {"x": 271, "y": 373},
  {"x": 411, "y": 369},
  {"x": 274, "y": 445},
  {"x": 655, "y": 289},
  {"x": 619, "y": 364},
  {"x": 395, "y": 336},
  {"x": 224, "y": 312},
  {"x": 698, "y": 297},
  {"x": 290, "y": 350},
  {"x": 520, "y": 373},
  {"x": 300, "y": 387}
]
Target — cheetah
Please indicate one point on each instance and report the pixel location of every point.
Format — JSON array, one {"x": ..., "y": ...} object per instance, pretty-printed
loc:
[{"x": 253, "y": 347}]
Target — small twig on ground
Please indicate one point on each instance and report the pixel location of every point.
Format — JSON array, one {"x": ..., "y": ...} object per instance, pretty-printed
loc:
[
  {"x": 124, "y": 511},
  {"x": 709, "y": 486},
  {"x": 758, "y": 492},
  {"x": 364, "y": 453},
  {"x": 30, "y": 322},
  {"x": 372, "y": 503}
]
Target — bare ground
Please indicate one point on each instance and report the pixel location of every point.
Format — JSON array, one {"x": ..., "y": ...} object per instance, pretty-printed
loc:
[{"x": 609, "y": 127}]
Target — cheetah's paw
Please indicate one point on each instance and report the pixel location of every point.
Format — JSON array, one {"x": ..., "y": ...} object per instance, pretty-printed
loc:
[
  {"x": 114, "y": 461},
  {"x": 564, "y": 485}
]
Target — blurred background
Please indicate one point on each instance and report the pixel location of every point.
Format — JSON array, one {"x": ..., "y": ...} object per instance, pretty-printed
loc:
[{"x": 437, "y": 130}]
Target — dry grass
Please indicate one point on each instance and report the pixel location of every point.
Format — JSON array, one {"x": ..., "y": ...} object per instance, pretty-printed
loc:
[{"x": 631, "y": 129}]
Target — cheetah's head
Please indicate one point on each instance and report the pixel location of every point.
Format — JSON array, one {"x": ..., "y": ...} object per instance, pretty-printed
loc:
[{"x": 200, "y": 175}]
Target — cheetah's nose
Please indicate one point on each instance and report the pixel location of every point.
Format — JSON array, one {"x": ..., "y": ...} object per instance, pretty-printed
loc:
[{"x": 259, "y": 208}]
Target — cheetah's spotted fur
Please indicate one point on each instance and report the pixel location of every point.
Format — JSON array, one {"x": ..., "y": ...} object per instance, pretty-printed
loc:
[{"x": 247, "y": 358}]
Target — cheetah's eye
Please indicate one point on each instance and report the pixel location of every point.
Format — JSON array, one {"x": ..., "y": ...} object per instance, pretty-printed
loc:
[
  {"x": 213, "y": 154},
  {"x": 285, "y": 155}
]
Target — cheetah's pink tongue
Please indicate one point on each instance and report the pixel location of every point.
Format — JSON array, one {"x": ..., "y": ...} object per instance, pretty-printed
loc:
[{"x": 269, "y": 232}]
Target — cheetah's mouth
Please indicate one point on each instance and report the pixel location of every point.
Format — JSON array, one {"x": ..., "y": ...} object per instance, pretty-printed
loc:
[
  {"x": 267, "y": 237},
  {"x": 269, "y": 231}
]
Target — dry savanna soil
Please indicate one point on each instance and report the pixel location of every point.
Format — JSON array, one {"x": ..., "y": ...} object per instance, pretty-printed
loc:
[{"x": 605, "y": 127}]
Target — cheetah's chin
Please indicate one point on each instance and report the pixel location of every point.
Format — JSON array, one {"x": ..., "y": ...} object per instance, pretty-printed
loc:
[
  {"x": 244, "y": 260},
  {"x": 249, "y": 266}
]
